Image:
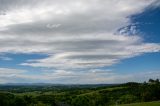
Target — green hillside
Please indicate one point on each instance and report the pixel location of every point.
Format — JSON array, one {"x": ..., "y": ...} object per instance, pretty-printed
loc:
[
  {"x": 157, "y": 103},
  {"x": 141, "y": 94}
]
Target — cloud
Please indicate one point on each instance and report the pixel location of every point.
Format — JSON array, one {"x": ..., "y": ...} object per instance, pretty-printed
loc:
[
  {"x": 11, "y": 71},
  {"x": 5, "y": 58},
  {"x": 92, "y": 59},
  {"x": 92, "y": 76},
  {"x": 9, "y": 74},
  {"x": 74, "y": 34}
]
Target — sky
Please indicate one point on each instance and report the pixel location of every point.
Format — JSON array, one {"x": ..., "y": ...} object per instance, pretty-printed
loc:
[{"x": 79, "y": 41}]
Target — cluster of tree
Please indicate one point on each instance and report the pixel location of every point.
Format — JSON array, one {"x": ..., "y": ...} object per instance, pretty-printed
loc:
[
  {"x": 101, "y": 96},
  {"x": 151, "y": 81},
  {"x": 7, "y": 99}
]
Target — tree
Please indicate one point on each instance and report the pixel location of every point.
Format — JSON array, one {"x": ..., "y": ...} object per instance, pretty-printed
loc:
[
  {"x": 19, "y": 101},
  {"x": 151, "y": 81},
  {"x": 157, "y": 81}
]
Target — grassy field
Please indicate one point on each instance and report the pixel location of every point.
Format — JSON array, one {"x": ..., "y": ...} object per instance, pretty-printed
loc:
[{"x": 143, "y": 104}]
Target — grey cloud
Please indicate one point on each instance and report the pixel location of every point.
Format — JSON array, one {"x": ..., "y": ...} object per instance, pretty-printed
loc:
[{"x": 85, "y": 38}]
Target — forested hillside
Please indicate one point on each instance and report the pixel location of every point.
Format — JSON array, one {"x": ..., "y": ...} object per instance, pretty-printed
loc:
[{"x": 79, "y": 95}]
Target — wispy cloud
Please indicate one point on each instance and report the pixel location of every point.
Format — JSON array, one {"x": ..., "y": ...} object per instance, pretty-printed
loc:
[
  {"x": 5, "y": 58},
  {"x": 72, "y": 77}
]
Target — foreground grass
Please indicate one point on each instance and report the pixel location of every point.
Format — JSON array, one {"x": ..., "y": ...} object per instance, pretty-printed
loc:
[{"x": 157, "y": 103}]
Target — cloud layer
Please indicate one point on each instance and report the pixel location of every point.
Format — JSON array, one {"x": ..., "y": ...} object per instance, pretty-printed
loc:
[
  {"x": 75, "y": 34},
  {"x": 68, "y": 77}
]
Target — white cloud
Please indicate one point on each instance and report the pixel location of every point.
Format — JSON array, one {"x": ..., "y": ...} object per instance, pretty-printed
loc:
[
  {"x": 84, "y": 33},
  {"x": 73, "y": 77},
  {"x": 103, "y": 56},
  {"x": 5, "y": 58},
  {"x": 11, "y": 71},
  {"x": 9, "y": 74}
]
